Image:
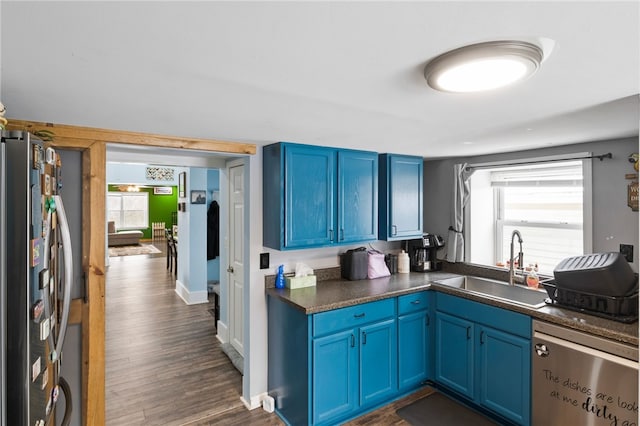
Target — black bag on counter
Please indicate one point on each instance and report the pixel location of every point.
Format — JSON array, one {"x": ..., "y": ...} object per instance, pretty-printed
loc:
[
  {"x": 392, "y": 263},
  {"x": 354, "y": 264}
]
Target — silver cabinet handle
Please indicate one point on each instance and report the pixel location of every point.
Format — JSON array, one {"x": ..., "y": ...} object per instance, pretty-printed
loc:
[{"x": 394, "y": 230}]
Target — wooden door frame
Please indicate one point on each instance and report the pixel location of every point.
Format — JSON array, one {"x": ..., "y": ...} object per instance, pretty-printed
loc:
[{"x": 90, "y": 311}]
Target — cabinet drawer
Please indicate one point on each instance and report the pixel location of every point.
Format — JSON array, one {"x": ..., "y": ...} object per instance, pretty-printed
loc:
[
  {"x": 353, "y": 316},
  {"x": 413, "y": 302},
  {"x": 501, "y": 319}
]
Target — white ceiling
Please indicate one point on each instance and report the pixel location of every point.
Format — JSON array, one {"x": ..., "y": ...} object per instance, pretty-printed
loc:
[{"x": 343, "y": 74}]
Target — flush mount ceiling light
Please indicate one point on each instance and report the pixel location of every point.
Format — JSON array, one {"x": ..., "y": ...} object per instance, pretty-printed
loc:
[{"x": 483, "y": 66}]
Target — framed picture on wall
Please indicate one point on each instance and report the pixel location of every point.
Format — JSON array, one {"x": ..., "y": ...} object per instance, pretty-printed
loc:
[
  {"x": 198, "y": 197},
  {"x": 162, "y": 190},
  {"x": 182, "y": 185}
]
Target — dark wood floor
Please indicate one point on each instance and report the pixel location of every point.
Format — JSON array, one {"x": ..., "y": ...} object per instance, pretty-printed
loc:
[{"x": 164, "y": 365}]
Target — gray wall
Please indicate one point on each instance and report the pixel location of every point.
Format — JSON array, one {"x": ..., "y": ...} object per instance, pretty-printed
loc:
[
  {"x": 71, "y": 368},
  {"x": 613, "y": 221}
]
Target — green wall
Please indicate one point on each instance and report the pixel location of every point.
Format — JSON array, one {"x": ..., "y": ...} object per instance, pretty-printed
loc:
[{"x": 160, "y": 207}]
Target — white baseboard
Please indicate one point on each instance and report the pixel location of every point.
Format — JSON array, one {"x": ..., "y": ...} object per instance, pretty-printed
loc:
[
  {"x": 223, "y": 332},
  {"x": 191, "y": 298},
  {"x": 256, "y": 401}
]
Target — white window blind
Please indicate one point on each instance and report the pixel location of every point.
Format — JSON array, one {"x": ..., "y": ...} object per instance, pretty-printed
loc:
[
  {"x": 129, "y": 210},
  {"x": 546, "y": 202}
]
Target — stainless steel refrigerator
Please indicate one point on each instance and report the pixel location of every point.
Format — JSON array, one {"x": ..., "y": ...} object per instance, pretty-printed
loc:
[{"x": 35, "y": 281}]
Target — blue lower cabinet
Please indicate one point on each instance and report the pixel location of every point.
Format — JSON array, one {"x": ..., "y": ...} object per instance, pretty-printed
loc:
[
  {"x": 335, "y": 376},
  {"x": 354, "y": 360},
  {"x": 488, "y": 367},
  {"x": 454, "y": 353},
  {"x": 329, "y": 367},
  {"x": 415, "y": 347},
  {"x": 504, "y": 366},
  {"x": 353, "y": 369},
  {"x": 378, "y": 368}
]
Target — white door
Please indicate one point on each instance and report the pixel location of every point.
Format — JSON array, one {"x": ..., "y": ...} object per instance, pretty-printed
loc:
[{"x": 235, "y": 173}]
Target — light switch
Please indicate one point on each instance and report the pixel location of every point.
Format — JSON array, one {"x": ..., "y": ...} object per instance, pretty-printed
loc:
[{"x": 264, "y": 260}]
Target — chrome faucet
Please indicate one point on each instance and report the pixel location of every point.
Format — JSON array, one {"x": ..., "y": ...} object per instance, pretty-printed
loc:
[{"x": 512, "y": 273}]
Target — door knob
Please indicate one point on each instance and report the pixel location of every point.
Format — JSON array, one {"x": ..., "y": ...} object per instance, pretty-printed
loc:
[{"x": 230, "y": 269}]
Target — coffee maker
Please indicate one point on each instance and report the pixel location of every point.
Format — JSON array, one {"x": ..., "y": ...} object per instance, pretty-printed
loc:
[{"x": 422, "y": 253}]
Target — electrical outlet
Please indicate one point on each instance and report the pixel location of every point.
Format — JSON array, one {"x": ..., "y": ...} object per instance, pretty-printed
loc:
[
  {"x": 627, "y": 251},
  {"x": 264, "y": 260}
]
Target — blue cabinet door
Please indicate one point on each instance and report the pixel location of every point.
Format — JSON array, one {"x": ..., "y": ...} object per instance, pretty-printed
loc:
[
  {"x": 401, "y": 186},
  {"x": 378, "y": 362},
  {"x": 335, "y": 376},
  {"x": 454, "y": 353},
  {"x": 318, "y": 196},
  {"x": 357, "y": 196},
  {"x": 504, "y": 369},
  {"x": 309, "y": 196},
  {"x": 406, "y": 196},
  {"x": 413, "y": 351}
]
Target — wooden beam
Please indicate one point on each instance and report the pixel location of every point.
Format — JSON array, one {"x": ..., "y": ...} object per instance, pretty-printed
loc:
[
  {"x": 93, "y": 253},
  {"x": 75, "y": 314},
  {"x": 78, "y": 137}
]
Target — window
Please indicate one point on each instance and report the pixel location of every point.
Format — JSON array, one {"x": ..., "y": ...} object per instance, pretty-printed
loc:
[
  {"x": 129, "y": 210},
  {"x": 548, "y": 202}
]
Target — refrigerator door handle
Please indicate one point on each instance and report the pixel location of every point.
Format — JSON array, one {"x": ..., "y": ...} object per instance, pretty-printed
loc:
[
  {"x": 47, "y": 238},
  {"x": 47, "y": 292},
  {"x": 68, "y": 272}
]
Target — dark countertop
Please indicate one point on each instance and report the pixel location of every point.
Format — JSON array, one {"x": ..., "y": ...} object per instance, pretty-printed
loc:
[{"x": 339, "y": 293}]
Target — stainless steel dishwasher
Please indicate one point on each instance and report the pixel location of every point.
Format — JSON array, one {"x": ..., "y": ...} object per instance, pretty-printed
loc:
[{"x": 580, "y": 379}]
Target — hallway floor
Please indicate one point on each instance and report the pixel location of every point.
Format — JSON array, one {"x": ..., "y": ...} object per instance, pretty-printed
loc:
[{"x": 164, "y": 364}]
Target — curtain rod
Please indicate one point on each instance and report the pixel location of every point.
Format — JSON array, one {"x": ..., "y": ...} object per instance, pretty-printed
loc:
[{"x": 599, "y": 157}]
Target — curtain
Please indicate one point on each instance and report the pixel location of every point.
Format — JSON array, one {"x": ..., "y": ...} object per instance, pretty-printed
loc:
[{"x": 455, "y": 238}]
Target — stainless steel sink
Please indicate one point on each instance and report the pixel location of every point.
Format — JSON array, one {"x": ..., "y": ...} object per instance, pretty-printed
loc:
[{"x": 497, "y": 289}]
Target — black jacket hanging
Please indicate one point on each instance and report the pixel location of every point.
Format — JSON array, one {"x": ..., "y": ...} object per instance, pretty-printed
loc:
[{"x": 213, "y": 230}]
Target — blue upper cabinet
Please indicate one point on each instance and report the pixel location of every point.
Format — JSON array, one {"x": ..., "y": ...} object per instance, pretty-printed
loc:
[
  {"x": 357, "y": 196},
  {"x": 310, "y": 179},
  {"x": 400, "y": 197},
  {"x": 317, "y": 196}
]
